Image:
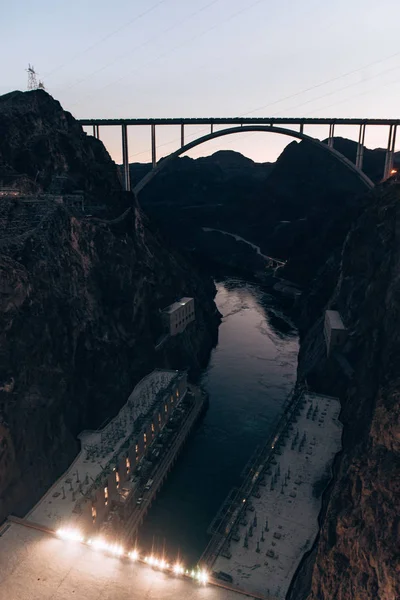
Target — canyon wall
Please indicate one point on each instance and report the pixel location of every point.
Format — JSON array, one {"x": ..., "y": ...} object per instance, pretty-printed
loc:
[
  {"x": 80, "y": 296},
  {"x": 357, "y": 555}
]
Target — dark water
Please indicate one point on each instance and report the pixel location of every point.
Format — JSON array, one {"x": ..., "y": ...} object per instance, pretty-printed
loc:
[{"x": 249, "y": 376}]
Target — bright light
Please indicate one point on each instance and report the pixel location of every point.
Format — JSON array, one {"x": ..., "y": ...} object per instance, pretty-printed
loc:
[
  {"x": 100, "y": 544},
  {"x": 116, "y": 550},
  {"x": 202, "y": 577},
  {"x": 162, "y": 564},
  {"x": 393, "y": 171},
  {"x": 133, "y": 555},
  {"x": 178, "y": 569},
  {"x": 74, "y": 535}
]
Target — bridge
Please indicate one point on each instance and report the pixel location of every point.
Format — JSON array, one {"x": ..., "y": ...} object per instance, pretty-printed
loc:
[{"x": 243, "y": 124}]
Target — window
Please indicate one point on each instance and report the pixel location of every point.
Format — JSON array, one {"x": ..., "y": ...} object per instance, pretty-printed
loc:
[
  {"x": 165, "y": 408},
  {"x": 128, "y": 464},
  {"x": 106, "y": 495},
  {"x": 152, "y": 429},
  {"x": 145, "y": 438},
  {"x": 177, "y": 393},
  {"x": 137, "y": 452},
  {"x": 159, "y": 418},
  {"x": 117, "y": 478},
  {"x": 94, "y": 514}
]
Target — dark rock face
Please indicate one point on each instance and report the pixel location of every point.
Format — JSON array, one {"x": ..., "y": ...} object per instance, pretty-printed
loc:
[
  {"x": 358, "y": 551},
  {"x": 300, "y": 207},
  {"x": 79, "y": 299}
]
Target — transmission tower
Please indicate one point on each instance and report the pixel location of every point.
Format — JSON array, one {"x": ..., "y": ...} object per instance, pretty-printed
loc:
[{"x": 33, "y": 83}]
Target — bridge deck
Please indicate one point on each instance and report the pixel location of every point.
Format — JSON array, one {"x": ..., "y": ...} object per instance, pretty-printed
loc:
[{"x": 240, "y": 120}]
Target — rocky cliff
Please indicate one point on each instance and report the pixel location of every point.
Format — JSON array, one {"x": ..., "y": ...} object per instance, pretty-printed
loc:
[
  {"x": 80, "y": 297},
  {"x": 299, "y": 207},
  {"x": 357, "y": 555}
]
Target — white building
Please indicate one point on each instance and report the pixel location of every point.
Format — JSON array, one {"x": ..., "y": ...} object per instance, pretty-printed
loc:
[
  {"x": 335, "y": 332},
  {"x": 178, "y": 315}
]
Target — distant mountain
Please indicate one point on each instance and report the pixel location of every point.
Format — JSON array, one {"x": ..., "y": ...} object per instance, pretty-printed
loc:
[{"x": 286, "y": 208}]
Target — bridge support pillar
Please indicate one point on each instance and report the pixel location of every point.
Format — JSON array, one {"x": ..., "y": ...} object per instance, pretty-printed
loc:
[
  {"x": 331, "y": 134},
  {"x": 301, "y": 127},
  {"x": 125, "y": 158},
  {"x": 94, "y": 130},
  {"x": 153, "y": 145},
  {"x": 360, "y": 147},
  {"x": 212, "y": 127},
  {"x": 182, "y": 135},
  {"x": 98, "y": 131},
  {"x": 390, "y": 151}
]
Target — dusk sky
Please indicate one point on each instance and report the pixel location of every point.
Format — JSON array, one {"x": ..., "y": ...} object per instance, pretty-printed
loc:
[{"x": 172, "y": 58}]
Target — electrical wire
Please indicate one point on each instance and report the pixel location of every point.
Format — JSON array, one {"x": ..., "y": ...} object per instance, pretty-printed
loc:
[
  {"x": 389, "y": 83},
  {"x": 340, "y": 89},
  {"x": 318, "y": 85},
  {"x": 167, "y": 52},
  {"x": 140, "y": 46},
  {"x": 109, "y": 35}
]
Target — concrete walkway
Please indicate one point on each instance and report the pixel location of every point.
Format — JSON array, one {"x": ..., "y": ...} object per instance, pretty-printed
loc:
[{"x": 282, "y": 523}]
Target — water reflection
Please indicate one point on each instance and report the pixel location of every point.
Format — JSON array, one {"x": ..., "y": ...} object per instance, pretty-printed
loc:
[{"x": 251, "y": 371}]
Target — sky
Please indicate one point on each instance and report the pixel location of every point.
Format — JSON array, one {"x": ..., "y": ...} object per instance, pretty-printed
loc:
[{"x": 200, "y": 58}]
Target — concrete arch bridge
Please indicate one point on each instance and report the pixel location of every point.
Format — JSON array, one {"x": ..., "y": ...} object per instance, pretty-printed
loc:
[{"x": 241, "y": 125}]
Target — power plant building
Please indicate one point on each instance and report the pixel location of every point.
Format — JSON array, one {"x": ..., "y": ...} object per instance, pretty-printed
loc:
[
  {"x": 335, "y": 333},
  {"x": 101, "y": 487},
  {"x": 178, "y": 315}
]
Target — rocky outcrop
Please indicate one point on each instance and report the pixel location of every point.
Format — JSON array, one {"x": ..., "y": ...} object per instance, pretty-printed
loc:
[
  {"x": 80, "y": 297},
  {"x": 358, "y": 550}
]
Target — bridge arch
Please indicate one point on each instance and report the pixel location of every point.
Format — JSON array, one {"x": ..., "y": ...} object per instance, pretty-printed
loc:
[{"x": 164, "y": 162}]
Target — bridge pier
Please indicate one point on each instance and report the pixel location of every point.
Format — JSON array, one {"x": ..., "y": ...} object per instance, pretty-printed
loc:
[
  {"x": 331, "y": 134},
  {"x": 212, "y": 128},
  {"x": 360, "y": 147},
  {"x": 390, "y": 151},
  {"x": 125, "y": 157},
  {"x": 182, "y": 135},
  {"x": 301, "y": 127},
  {"x": 153, "y": 145},
  {"x": 96, "y": 133}
]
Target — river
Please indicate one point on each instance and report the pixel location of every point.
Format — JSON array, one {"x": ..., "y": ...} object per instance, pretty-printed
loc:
[{"x": 250, "y": 374}]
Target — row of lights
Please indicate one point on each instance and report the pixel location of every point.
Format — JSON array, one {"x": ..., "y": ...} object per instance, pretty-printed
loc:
[{"x": 75, "y": 535}]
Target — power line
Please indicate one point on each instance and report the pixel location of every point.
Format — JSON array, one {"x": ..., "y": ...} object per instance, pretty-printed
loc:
[
  {"x": 353, "y": 96},
  {"x": 340, "y": 89},
  {"x": 139, "y": 46},
  {"x": 109, "y": 35},
  {"x": 177, "y": 47},
  {"x": 318, "y": 85}
]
